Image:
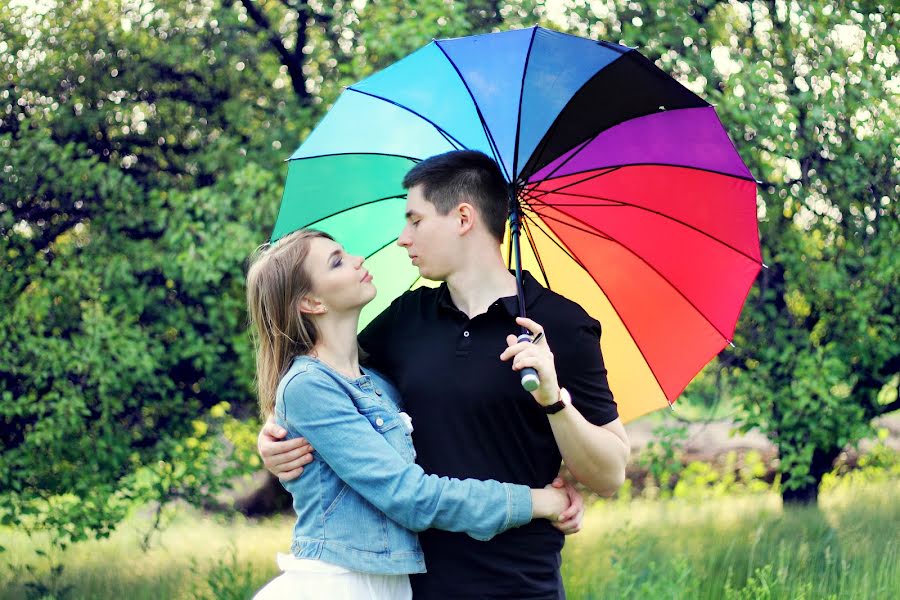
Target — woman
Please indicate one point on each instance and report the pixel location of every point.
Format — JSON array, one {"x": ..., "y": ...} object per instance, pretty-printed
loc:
[{"x": 360, "y": 501}]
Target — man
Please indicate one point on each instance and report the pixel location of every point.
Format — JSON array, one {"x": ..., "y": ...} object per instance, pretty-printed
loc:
[{"x": 451, "y": 355}]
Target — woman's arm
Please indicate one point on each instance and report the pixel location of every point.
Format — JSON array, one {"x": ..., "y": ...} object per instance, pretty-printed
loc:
[{"x": 322, "y": 413}]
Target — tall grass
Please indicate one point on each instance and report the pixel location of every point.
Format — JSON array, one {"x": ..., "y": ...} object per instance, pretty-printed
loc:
[
  {"x": 741, "y": 547},
  {"x": 728, "y": 548}
]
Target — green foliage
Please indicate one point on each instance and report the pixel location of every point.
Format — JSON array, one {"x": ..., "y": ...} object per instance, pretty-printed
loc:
[
  {"x": 228, "y": 579},
  {"x": 735, "y": 475},
  {"x": 127, "y": 208},
  {"x": 662, "y": 458},
  {"x": 141, "y": 147}
]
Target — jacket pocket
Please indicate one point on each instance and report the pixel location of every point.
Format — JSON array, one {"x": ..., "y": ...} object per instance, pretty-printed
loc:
[
  {"x": 382, "y": 419},
  {"x": 390, "y": 424},
  {"x": 337, "y": 500}
]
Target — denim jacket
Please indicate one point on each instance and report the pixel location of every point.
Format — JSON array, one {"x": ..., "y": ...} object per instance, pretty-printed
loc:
[{"x": 362, "y": 497}]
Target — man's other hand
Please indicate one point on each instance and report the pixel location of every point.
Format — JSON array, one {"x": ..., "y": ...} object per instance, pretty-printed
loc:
[{"x": 283, "y": 459}]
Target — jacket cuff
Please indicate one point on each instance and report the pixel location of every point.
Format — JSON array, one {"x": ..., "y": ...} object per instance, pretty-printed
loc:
[{"x": 519, "y": 504}]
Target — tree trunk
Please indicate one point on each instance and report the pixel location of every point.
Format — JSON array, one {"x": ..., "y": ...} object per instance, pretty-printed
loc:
[
  {"x": 268, "y": 499},
  {"x": 822, "y": 463}
]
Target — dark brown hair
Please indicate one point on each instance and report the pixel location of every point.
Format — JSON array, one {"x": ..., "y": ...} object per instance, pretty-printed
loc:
[
  {"x": 464, "y": 176},
  {"x": 276, "y": 281}
]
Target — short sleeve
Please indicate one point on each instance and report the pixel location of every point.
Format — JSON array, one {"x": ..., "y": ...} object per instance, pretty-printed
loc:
[{"x": 581, "y": 370}]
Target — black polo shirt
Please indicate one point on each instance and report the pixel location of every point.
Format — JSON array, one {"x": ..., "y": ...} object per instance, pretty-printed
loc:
[{"x": 473, "y": 419}]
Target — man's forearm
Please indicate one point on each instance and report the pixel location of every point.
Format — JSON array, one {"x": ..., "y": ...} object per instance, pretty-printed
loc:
[{"x": 595, "y": 455}]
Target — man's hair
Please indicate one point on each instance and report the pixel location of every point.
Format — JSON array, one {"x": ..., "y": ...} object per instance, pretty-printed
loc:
[{"x": 464, "y": 176}]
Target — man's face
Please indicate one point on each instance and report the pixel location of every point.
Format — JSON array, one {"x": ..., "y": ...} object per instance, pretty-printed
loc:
[{"x": 429, "y": 238}]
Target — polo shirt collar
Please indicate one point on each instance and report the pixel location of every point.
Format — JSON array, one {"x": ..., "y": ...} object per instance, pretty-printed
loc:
[{"x": 530, "y": 287}]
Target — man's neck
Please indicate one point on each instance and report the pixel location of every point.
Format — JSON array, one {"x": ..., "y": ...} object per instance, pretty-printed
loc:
[{"x": 474, "y": 288}]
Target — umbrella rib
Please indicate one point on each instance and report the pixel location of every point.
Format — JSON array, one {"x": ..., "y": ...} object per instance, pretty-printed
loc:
[
  {"x": 624, "y": 203},
  {"x": 444, "y": 133},
  {"x": 537, "y": 193},
  {"x": 594, "y": 233},
  {"x": 606, "y": 236},
  {"x": 537, "y": 256},
  {"x": 354, "y": 207},
  {"x": 558, "y": 245},
  {"x": 487, "y": 131},
  {"x": 519, "y": 115},
  {"x": 651, "y": 164},
  {"x": 450, "y": 140},
  {"x": 583, "y": 145},
  {"x": 382, "y": 248},
  {"x": 412, "y": 158},
  {"x": 608, "y": 299}
]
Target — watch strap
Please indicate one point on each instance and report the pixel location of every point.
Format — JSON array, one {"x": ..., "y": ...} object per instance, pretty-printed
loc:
[{"x": 560, "y": 404}]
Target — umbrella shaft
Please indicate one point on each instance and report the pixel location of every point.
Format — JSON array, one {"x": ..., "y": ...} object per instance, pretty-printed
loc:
[{"x": 514, "y": 232}]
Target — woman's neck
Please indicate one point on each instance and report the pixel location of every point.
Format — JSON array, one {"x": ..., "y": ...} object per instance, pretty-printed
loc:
[{"x": 337, "y": 346}]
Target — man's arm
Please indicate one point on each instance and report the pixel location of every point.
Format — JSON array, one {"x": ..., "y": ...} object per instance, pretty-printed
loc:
[
  {"x": 596, "y": 455},
  {"x": 283, "y": 459}
]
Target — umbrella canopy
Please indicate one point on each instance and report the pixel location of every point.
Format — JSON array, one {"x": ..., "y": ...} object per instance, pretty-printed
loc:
[{"x": 632, "y": 199}]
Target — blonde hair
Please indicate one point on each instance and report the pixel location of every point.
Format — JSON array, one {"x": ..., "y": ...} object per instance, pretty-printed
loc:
[{"x": 276, "y": 281}]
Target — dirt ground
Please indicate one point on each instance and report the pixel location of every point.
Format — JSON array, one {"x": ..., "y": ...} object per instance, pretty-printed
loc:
[{"x": 706, "y": 441}]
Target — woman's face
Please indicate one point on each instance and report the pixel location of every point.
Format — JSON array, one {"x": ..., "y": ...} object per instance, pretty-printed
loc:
[{"x": 339, "y": 281}]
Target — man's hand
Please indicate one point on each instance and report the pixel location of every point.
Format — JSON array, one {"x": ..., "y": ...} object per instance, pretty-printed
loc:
[
  {"x": 537, "y": 356},
  {"x": 283, "y": 459},
  {"x": 570, "y": 520}
]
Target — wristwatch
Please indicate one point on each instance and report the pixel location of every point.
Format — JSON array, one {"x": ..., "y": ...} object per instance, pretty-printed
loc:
[{"x": 565, "y": 399}]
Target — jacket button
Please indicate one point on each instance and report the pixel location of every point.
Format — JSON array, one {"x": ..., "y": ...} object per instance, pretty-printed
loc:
[{"x": 379, "y": 421}]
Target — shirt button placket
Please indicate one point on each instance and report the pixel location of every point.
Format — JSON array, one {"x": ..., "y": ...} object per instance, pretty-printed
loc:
[{"x": 464, "y": 343}]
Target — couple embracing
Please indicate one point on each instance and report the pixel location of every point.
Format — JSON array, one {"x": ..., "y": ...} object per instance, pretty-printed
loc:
[{"x": 417, "y": 464}]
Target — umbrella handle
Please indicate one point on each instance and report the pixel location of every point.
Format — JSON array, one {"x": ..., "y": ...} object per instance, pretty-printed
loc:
[{"x": 529, "y": 377}]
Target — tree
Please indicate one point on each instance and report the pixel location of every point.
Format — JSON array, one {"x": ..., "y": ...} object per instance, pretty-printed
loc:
[
  {"x": 139, "y": 159},
  {"x": 142, "y": 147}
]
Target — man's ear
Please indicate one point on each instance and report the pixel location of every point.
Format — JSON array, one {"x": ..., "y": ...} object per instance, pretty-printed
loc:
[
  {"x": 466, "y": 216},
  {"x": 310, "y": 305}
]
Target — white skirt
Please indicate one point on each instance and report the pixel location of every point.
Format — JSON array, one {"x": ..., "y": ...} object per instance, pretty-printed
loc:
[{"x": 306, "y": 579}]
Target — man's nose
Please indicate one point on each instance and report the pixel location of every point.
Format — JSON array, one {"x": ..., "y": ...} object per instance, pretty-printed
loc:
[{"x": 403, "y": 240}]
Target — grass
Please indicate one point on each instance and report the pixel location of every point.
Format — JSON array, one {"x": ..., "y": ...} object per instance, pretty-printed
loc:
[
  {"x": 733, "y": 547},
  {"x": 741, "y": 547}
]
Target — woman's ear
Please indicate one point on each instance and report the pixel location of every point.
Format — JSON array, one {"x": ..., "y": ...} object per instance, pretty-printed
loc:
[{"x": 310, "y": 305}]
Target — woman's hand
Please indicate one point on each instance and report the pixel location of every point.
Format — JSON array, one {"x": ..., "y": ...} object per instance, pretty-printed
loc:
[
  {"x": 536, "y": 356},
  {"x": 548, "y": 503}
]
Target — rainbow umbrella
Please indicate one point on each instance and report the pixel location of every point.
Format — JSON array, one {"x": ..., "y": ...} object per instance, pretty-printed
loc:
[{"x": 628, "y": 193}]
